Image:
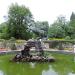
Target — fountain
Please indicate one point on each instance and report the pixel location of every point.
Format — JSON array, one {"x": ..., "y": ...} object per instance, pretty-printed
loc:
[{"x": 25, "y": 56}]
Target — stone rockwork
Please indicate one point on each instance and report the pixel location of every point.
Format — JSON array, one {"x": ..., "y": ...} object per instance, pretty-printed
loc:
[{"x": 25, "y": 56}]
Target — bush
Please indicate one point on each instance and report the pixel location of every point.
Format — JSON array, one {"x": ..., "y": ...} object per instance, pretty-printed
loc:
[
  {"x": 12, "y": 39},
  {"x": 61, "y": 46},
  {"x": 67, "y": 38},
  {"x": 13, "y": 46},
  {"x": 55, "y": 38},
  {"x": 20, "y": 41}
]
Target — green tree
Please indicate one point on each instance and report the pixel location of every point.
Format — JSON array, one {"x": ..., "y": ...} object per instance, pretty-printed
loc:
[
  {"x": 57, "y": 29},
  {"x": 41, "y": 28},
  {"x": 3, "y": 31},
  {"x": 2, "y": 27},
  {"x": 72, "y": 26},
  {"x": 72, "y": 17},
  {"x": 56, "y": 32},
  {"x": 19, "y": 17}
]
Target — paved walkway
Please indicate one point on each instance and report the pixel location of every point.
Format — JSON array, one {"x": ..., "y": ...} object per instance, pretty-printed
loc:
[{"x": 49, "y": 50}]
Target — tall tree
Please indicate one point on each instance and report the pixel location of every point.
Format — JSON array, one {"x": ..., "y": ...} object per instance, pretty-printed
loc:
[
  {"x": 72, "y": 17},
  {"x": 72, "y": 25},
  {"x": 41, "y": 28},
  {"x": 57, "y": 29},
  {"x": 19, "y": 17},
  {"x": 3, "y": 30}
]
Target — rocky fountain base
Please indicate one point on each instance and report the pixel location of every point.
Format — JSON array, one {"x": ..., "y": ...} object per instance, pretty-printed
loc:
[
  {"x": 33, "y": 59},
  {"x": 24, "y": 55}
]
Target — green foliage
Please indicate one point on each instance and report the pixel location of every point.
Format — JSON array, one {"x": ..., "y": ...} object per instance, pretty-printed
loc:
[
  {"x": 72, "y": 25},
  {"x": 20, "y": 41},
  {"x": 56, "y": 39},
  {"x": 67, "y": 38},
  {"x": 12, "y": 39},
  {"x": 20, "y": 23},
  {"x": 61, "y": 29},
  {"x": 45, "y": 27},
  {"x": 72, "y": 17},
  {"x": 56, "y": 31},
  {"x": 3, "y": 31},
  {"x": 13, "y": 46},
  {"x": 19, "y": 18},
  {"x": 41, "y": 28}
]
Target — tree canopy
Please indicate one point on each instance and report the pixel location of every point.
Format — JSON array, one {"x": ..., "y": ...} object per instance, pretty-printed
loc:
[
  {"x": 21, "y": 25},
  {"x": 57, "y": 29},
  {"x": 19, "y": 18}
]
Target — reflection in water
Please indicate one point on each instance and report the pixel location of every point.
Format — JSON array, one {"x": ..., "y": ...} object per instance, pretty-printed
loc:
[
  {"x": 49, "y": 72},
  {"x": 71, "y": 74},
  {"x": 64, "y": 65},
  {"x": 74, "y": 58},
  {"x": 32, "y": 65},
  {"x": 1, "y": 73}
]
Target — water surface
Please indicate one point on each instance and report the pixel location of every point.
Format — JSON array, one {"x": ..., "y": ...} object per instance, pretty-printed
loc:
[{"x": 64, "y": 65}]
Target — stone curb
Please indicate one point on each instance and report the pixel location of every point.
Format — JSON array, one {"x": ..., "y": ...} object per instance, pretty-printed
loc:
[{"x": 51, "y": 51}]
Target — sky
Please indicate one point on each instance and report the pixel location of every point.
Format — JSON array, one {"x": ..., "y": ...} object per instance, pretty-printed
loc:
[{"x": 42, "y": 10}]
